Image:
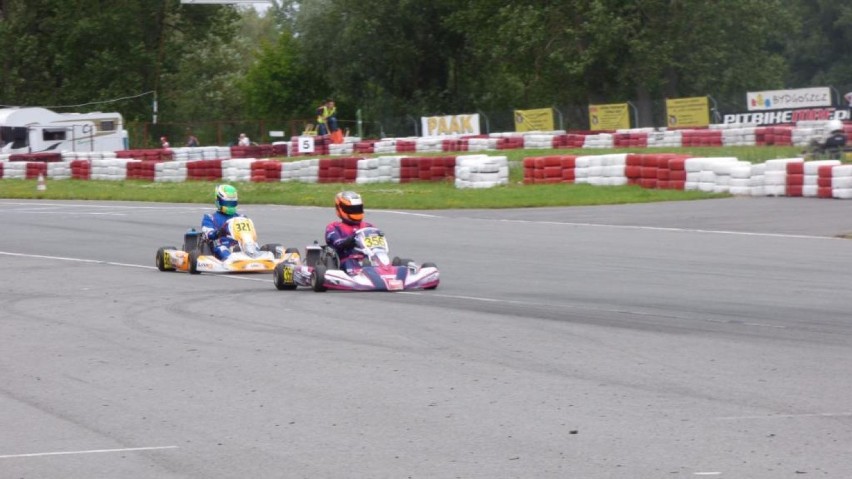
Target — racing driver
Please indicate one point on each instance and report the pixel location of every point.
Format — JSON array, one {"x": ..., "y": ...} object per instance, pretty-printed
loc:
[
  {"x": 340, "y": 235},
  {"x": 213, "y": 224}
]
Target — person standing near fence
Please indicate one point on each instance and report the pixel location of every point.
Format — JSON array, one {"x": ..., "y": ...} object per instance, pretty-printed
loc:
[{"x": 326, "y": 117}]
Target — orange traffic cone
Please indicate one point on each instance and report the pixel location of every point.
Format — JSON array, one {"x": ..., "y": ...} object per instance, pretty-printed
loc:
[{"x": 41, "y": 185}]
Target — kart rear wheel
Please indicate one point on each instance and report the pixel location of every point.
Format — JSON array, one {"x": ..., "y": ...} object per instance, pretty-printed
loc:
[
  {"x": 318, "y": 279},
  {"x": 193, "y": 263},
  {"x": 278, "y": 277},
  {"x": 160, "y": 259}
]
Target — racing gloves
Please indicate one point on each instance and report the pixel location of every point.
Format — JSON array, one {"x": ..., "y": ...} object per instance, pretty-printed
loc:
[{"x": 348, "y": 242}]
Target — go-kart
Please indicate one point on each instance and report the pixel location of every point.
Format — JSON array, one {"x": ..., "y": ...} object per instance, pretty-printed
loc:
[
  {"x": 375, "y": 272},
  {"x": 246, "y": 256}
]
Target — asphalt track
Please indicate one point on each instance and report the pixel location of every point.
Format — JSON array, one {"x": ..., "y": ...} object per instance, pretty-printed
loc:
[{"x": 680, "y": 340}]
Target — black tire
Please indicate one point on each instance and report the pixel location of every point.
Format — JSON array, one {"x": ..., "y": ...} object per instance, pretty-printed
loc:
[
  {"x": 396, "y": 261},
  {"x": 278, "y": 278},
  {"x": 274, "y": 247},
  {"x": 160, "y": 259},
  {"x": 193, "y": 263},
  {"x": 329, "y": 259},
  {"x": 318, "y": 279}
]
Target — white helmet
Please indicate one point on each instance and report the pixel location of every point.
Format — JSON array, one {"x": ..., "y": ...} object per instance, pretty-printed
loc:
[{"x": 834, "y": 125}]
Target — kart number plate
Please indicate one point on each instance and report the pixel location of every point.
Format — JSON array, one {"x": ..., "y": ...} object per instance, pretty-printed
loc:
[
  {"x": 375, "y": 241},
  {"x": 242, "y": 226}
]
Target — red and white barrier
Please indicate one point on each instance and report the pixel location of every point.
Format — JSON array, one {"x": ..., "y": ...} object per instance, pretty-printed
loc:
[{"x": 481, "y": 171}]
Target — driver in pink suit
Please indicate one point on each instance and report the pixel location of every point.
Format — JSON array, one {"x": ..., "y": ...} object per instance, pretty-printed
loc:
[{"x": 340, "y": 235}]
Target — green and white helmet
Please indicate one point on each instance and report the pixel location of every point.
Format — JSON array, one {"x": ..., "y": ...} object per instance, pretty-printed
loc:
[{"x": 226, "y": 199}]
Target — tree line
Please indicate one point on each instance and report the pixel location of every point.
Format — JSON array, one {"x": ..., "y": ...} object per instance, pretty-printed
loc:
[{"x": 388, "y": 60}]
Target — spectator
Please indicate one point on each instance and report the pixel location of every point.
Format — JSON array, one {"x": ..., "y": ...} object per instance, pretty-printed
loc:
[
  {"x": 244, "y": 140},
  {"x": 164, "y": 142},
  {"x": 192, "y": 141},
  {"x": 326, "y": 117}
]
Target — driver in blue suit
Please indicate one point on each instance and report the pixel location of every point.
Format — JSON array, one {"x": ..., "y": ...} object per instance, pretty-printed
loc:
[
  {"x": 340, "y": 234},
  {"x": 212, "y": 225}
]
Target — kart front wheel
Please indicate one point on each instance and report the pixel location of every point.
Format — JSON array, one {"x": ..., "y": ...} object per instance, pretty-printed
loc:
[
  {"x": 318, "y": 279},
  {"x": 279, "y": 276},
  {"x": 160, "y": 259},
  {"x": 429, "y": 265},
  {"x": 274, "y": 247},
  {"x": 397, "y": 261},
  {"x": 193, "y": 263}
]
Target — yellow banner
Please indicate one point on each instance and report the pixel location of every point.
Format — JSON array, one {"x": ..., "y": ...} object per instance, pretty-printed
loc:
[
  {"x": 534, "y": 120},
  {"x": 691, "y": 112},
  {"x": 609, "y": 117}
]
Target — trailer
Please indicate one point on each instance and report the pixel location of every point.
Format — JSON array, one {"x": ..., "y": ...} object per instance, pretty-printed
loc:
[{"x": 35, "y": 130}]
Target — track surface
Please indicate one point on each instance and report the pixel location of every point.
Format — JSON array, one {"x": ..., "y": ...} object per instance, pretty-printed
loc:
[{"x": 680, "y": 340}]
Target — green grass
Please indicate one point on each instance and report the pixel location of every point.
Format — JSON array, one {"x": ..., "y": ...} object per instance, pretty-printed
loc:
[{"x": 431, "y": 195}]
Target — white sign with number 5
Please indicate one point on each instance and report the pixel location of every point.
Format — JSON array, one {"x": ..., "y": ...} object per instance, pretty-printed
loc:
[{"x": 306, "y": 144}]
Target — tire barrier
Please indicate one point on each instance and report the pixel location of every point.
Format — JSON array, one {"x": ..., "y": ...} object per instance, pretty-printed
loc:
[
  {"x": 481, "y": 171},
  {"x": 43, "y": 157},
  {"x": 416, "y": 169},
  {"x": 142, "y": 170},
  {"x": 338, "y": 170},
  {"x": 22, "y": 170},
  {"x": 384, "y": 169},
  {"x": 204, "y": 170},
  {"x": 159, "y": 154},
  {"x": 779, "y": 177},
  {"x": 774, "y": 135},
  {"x": 253, "y": 151},
  {"x": 201, "y": 153},
  {"x": 263, "y": 171}
]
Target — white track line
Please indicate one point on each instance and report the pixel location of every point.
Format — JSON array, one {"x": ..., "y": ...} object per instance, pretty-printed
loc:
[
  {"x": 90, "y": 451},
  {"x": 788, "y": 416},
  {"x": 76, "y": 260},
  {"x": 677, "y": 230},
  {"x": 113, "y": 263}
]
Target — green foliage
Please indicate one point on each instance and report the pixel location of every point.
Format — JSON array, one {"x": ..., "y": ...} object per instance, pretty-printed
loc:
[
  {"x": 280, "y": 85},
  {"x": 409, "y": 57}
]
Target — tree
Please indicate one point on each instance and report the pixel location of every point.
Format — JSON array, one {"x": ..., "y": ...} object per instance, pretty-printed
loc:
[
  {"x": 66, "y": 53},
  {"x": 280, "y": 85}
]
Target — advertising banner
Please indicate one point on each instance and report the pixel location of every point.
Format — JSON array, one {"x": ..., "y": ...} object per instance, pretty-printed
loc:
[
  {"x": 688, "y": 112},
  {"x": 788, "y": 99},
  {"x": 450, "y": 125},
  {"x": 609, "y": 117},
  {"x": 779, "y": 117},
  {"x": 540, "y": 119}
]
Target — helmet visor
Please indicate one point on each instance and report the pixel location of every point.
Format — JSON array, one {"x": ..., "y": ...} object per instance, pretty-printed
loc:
[
  {"x": 353, "y": 211},
  {"x": 228, "y": 203}
]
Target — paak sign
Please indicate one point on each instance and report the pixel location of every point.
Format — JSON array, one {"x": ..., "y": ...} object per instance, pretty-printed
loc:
[{"x": 450, "y": 125}]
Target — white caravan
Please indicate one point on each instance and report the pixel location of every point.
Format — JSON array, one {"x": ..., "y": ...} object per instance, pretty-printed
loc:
[{"x": 35, "y": 130}]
